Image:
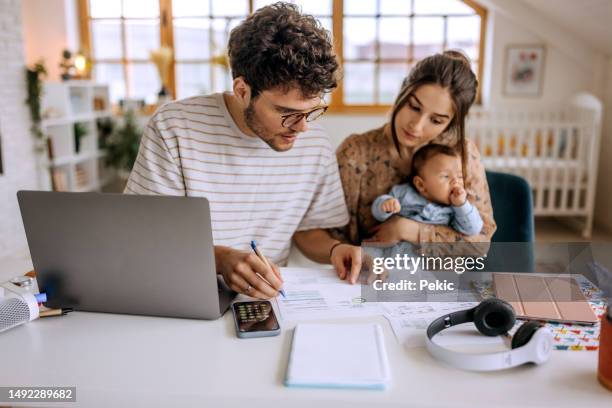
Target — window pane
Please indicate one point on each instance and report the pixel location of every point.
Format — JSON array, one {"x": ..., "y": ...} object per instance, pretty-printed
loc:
[
  {"x": 192, "y": 79},
  {"x": 257, "y": 4},
  {"x": 190, "y": 8},
  {"x": 111, "y": 75},
  {"x": 441, "y": 7},
  {"x": 395, "y": 7},
  {"x": 314, "y": 7},
  {"x": 428, "y": 36},
  {"x": 221, "y": 79},
  {"x": 359, "y": 7},
  {"x": 192, "y": 38},
  {"x": 359, "y": 38},
  {"x": 106, "y": 37},
  {"x": 142, "y": 36},
  {"x": 390, "y": 81},
  {"x": 464, "y": 34},
  {"x": 140, "y": 8},
  {"x": 230, "y": 8},
  {"x": 394, "y": 37},
  {"x": 104, "y": 8},
  {"x": 327, "y": 24},
  {"x": 222, "y": 28},
  {"x": 359, "y": 83},
  {"x": 144, "y": 82}
]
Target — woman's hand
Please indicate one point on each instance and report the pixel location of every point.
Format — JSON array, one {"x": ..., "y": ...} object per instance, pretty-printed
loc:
[{"x": 396, "y": 229}]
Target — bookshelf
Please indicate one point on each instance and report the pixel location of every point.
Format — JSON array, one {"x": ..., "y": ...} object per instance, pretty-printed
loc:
[{"x": 70, "y": 110}]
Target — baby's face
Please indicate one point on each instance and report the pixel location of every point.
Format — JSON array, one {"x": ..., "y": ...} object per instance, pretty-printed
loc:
[{"x": 440, "y": 174}]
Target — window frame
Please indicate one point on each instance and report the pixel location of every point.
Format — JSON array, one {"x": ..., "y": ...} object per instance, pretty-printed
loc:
[{"x": 337, "y": 104}]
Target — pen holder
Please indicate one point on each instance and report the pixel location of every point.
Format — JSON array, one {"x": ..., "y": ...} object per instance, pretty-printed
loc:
[{"x": 605, "y": 352}]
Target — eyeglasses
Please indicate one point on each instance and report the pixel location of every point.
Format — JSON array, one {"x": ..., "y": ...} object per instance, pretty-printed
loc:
[{"x": 293, "y": 118}]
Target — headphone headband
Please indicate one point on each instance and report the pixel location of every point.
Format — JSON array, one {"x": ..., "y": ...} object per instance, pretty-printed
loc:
[{"x": 491, "y": 317}]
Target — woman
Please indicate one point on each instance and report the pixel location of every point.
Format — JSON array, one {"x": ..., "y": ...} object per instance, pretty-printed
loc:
[{"x": 431, "y": 108}]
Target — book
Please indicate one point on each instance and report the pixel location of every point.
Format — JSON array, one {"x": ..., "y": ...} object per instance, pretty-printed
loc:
[{"x": 338, "y": 356}]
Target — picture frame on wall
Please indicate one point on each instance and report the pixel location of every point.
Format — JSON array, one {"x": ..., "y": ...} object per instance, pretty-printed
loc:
[{"x": 524, "y": 70}]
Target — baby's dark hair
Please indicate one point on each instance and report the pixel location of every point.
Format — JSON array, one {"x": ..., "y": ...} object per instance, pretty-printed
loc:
[{"x": 424, "y": 154}]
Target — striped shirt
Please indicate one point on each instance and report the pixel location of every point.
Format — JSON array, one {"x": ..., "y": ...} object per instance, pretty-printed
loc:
[{"x": 193, "y": 147}]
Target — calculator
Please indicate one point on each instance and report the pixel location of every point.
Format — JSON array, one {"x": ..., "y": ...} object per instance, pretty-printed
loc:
[{"x": 255, "y": 319}]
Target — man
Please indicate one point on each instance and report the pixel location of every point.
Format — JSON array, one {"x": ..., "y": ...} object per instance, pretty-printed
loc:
[{"x": 267, "y": 176}]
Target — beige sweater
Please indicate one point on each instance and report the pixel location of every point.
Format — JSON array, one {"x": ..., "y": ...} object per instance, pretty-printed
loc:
[{"x": 370, "y": 165}]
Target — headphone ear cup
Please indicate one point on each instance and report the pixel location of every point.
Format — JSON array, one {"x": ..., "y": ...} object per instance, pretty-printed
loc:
[
  {"x": 525, "y": 333},
  {"x": 493, "y": 317}
]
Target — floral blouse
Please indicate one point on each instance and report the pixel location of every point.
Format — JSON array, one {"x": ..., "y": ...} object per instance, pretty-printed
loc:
[{"x": 370, "y": 165}]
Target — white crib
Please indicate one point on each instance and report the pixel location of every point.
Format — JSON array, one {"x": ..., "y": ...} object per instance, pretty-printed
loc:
[{"x": 556, "y": 150}]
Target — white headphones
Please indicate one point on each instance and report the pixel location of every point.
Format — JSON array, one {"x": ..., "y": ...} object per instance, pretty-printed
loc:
[{"x": 532, "y": 342}]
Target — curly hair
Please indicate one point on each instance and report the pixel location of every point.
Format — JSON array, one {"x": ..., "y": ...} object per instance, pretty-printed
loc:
[{"x": 277, "y": 46}]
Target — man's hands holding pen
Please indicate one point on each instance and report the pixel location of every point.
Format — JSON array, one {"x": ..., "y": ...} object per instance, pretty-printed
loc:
[{"x": 240, "y": 268}]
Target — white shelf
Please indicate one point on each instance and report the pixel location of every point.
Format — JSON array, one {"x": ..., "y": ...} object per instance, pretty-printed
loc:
[
  {"x": 70, "y": 103},
  {"x": 76, "y": 158},
  {"x": 66, "y": 120}
]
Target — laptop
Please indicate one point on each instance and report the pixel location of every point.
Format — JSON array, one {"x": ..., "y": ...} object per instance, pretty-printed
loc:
[{"x": 116, "y": 253}]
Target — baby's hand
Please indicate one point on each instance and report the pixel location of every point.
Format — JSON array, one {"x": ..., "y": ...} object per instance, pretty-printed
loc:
[
  {"x": 391, "y": 205},
  {"x": 457, "y": 196}
]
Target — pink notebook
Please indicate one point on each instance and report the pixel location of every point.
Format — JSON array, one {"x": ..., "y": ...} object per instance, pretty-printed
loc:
[{"x": 553, "y": 298}]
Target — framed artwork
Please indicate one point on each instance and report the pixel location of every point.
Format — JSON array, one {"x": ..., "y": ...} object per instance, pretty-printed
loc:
[{"x": 524, "y": 70}]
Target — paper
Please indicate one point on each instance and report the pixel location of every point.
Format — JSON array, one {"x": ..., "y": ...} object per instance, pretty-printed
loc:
[
  {"x": 314, "y": 294},
  {"x": 338, "y": 356},
  {"x": 409, "y": 320},
  {"x": 320, "y": 294}
]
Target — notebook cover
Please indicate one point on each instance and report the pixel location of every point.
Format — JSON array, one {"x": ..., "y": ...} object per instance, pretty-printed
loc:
[{"x": 310, "y": 367}]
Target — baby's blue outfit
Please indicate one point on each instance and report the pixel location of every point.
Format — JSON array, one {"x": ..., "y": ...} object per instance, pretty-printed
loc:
[{"x": 464, "y": 219}]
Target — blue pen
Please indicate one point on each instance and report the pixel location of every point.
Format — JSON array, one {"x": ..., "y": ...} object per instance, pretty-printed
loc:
[{"x": 263, "y": 258}]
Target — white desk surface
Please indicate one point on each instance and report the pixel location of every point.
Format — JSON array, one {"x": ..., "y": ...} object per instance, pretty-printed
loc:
[{"x": 120, "y": 360}]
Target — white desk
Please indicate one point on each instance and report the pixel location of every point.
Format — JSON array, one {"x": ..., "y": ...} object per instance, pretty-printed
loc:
[{"x": 118, "y": 360}]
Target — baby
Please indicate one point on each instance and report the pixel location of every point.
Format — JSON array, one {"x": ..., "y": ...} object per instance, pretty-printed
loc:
[{"x": 434, "y": 193}]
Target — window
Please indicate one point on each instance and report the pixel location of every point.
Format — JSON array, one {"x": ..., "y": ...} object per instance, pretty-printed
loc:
[{"x": 377, "y": 41}]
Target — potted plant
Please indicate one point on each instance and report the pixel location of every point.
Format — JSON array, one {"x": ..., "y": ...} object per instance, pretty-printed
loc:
[
  {"x": 34, "y": 77},
  {"x": 122, "y": 144}
]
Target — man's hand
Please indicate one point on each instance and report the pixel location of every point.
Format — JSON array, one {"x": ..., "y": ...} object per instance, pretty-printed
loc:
[
  {"x": 458, "y": 196},
  {"x": 346, "y": 258},
  {"x": 350, "y": 260},
  {"x": 391, "y": 205},
  {"x": 240, "y": 269}
]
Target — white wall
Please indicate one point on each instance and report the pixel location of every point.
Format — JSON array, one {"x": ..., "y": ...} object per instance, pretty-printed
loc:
[
  {"x": 563, "y": 77},
  {"x": 17, "y": 147},
  {"x": 49, "y": 27},
  {"x": 603, "y": 206}
]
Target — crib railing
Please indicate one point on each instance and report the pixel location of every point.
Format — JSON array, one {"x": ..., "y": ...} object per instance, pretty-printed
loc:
[{"x": 556, "y": 150}]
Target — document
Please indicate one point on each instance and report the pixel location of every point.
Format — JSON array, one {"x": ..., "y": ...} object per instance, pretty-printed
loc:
[
  {"x": 409, "y": 320},
  {"x": 313, "y": 294}
]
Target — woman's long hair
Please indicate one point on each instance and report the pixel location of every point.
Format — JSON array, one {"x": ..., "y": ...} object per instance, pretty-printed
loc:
[{"x": 451, "y": 70}]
